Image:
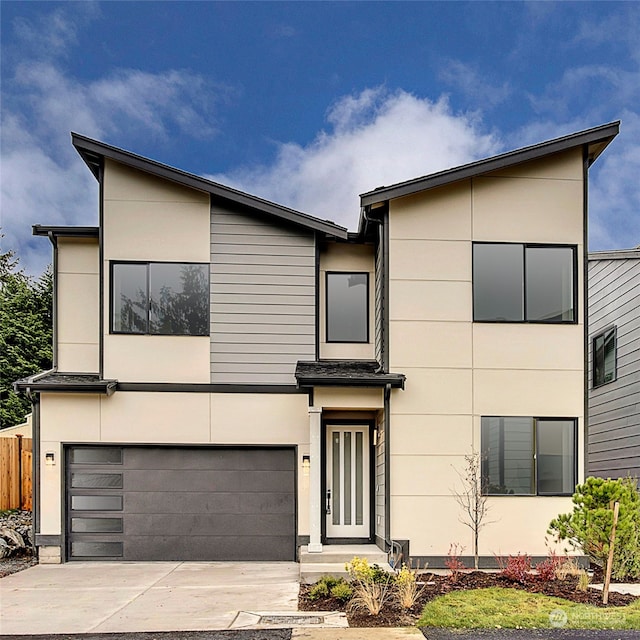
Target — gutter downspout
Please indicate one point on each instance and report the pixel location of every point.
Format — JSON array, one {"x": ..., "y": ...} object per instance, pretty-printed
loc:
[
  {"x": 387, "y": 464},
  {"x": 585, "y": 297},
  {"x": 35, "y": 469},
  {"x": 54, "y": 311}
]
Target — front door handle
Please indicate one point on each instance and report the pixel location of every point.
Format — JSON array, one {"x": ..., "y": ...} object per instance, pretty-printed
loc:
[{"x": 328, "y": 509}]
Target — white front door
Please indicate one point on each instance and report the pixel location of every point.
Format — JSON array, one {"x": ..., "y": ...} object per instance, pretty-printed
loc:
[{"x": 347, "y": 497}]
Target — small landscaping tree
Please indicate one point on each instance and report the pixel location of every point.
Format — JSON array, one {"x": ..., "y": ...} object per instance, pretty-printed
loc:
[
  {"x": 588, "y": 527},
  {"x": 473, "y": 499}
]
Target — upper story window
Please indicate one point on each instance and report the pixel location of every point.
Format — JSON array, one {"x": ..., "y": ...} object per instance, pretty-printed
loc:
[
  {"x": 347, "y": 302},
  {"x": 160, "y": 298},
  {"x": 604, "y": 357},
  {"x": 524, "y": 283},
  {"x": 528, "y": 456}
]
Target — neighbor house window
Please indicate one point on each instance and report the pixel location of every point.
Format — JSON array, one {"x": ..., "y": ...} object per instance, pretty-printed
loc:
[
  {"x": 160, "y": 298},
  {"x": 347, "y": 307},
  {"x": 524, "y": 283},
  {"x": 604, "y": 357},
  {"x": 528, "y": 456}
]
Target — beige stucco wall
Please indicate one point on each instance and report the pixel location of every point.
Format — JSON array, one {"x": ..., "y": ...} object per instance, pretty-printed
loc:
[
  {"x": 346, "y": 257},
  {"x": 348, "y": 398},
  {"x": 150, "y": 219},
  {"x": 168, "y": 418},
  {"x": 78, "y": 305},
  {"x": 458, "y": 371}
]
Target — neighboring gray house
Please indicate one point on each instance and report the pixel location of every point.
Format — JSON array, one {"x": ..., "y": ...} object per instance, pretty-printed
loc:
[{"x": 614, "y": 363}]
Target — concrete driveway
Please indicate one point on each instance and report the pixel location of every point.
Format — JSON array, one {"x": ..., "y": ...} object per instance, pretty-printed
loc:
[{"x": 83, "y": 597}]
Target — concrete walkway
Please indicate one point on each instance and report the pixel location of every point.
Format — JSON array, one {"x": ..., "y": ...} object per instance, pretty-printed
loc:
[{"x": 84, "y": 597}]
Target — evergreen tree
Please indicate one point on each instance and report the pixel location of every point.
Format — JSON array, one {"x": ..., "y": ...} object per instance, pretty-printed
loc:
[{"x": 26, "y": 333}]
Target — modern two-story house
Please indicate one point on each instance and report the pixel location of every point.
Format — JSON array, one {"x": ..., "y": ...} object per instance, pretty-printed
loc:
[
  {"x": 614, "y": 389},
  {"x": 234, "y": 379}
]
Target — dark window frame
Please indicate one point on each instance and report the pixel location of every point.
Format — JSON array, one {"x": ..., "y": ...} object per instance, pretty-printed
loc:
[
  {"x": 534, "y": 459},
  {"x": 326, "y": 307},
  {"x": 525, "y": 246},
  {"x": 602, "y": 334},
  {"x": 147, "y": 263}
]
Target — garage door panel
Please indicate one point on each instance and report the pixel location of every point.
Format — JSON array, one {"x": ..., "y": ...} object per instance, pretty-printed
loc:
[
  {"x": 184, "y": 481},
  {"x": 223, "y": 459},
  {"x": 174, "y": 502},
  {"x": 167, "y": 548},
  {"x": 209, "y": 526},
  {"x": 265, "y": 481},
  {"x": 267, "y": 503},
  {"x": 182, "y": 504}
]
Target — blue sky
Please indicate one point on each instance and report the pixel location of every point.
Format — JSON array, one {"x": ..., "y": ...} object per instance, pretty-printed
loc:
[{"x": 309, "y": 103}]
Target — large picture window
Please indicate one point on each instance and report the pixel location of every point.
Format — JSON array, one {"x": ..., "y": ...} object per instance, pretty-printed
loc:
[
  {"x": 160, "y": 298},
  {"x": 347, "y": 300},
  {"x": 604, "y": 357},
  {"x": 524, "y": 283},
  {"x": 528, "y": 456}
]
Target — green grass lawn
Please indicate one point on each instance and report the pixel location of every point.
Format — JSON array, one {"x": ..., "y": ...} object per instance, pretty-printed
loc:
[{"x": 497, "y": 608}]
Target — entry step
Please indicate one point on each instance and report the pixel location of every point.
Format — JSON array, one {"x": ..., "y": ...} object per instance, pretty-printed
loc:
[
  {"x": 341, "y": 553},
  {"x": 331, "y": 560}
]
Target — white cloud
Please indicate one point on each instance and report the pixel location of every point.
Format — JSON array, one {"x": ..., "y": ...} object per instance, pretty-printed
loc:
[
  {"x": 474, "y": 84},
  {"x": 378, "y": 138},
  {"x": 53, "y": 33}
]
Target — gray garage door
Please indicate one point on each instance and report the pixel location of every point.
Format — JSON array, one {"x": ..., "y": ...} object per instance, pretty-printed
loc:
[{"x": 168, "y": 503}]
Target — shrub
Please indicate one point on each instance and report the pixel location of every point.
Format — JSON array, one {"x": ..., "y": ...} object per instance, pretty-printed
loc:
[
  {"x": 406, "y": 588},
  {"x": 370, "y": 585},
  {"x": 516, "y": 568},
  {"x": 589, "y": 525},
  {"x": 319, "y": 590},
  {"x": 360, "y": 569},
  {"x": 568, "y": 567},
  {"x": 583, "y": 581},
  {"x": 324, "y": 587},
  {"x": 342, "y": 591},
  {"x": 454, "y": 562},
  {"x": 547, "y": 569}
]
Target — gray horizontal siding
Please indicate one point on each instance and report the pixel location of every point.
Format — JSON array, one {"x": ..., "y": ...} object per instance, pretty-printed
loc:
[
  {"x": 379, "y": 301},
  {"x": 614, "y": 408},
  {"x": 262, "y": 299}
]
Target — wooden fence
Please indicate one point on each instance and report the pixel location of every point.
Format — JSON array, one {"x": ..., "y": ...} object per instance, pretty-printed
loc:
[{"x": 16, "y": 485}]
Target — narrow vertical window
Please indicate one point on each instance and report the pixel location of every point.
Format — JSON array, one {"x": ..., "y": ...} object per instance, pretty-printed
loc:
[
  {"x": 498, "y": 290},
  {"x": 507, "y": 452},
  {"x": 347, "y": 302},
  {"x": 130, "y": 299},
  {"x": 549, "y": 284},
  {"x": 555, "y": 440},
  {"x": 604, "y": 357}
]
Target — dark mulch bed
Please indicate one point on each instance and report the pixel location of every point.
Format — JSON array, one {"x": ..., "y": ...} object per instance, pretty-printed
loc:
[{"x": 392, "y": 615}]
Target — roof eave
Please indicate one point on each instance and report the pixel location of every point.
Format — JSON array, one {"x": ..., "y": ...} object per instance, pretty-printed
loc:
[
  {"x": 93, "y": 152},
  {"x": 396, "y": 382},
  {"x": 38, "y": 382},
  {"x": 614, "y": 254},
  {"x": 64, "y": 231},
  {"x": 596, "y": 140},
  {"x": 108, "y": 387}
]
